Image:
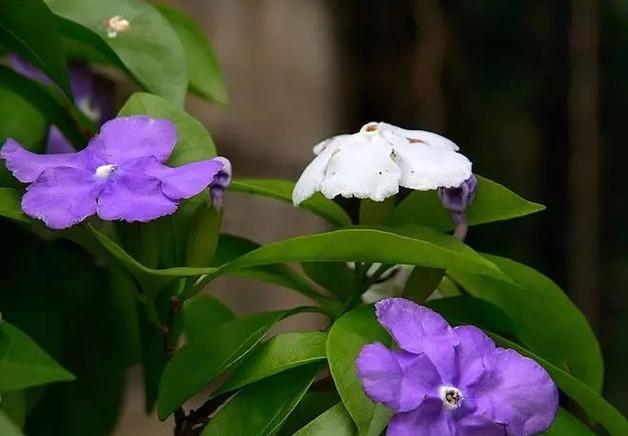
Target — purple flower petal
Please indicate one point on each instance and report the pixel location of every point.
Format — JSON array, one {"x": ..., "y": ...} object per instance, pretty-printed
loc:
[
  {"x": 418, "y": 329},
  {"x": 473, "y": 346},
  {"x": 57, "y": 142},
  {"x": 428, "y": 419},
  {"x": 480, "y": 425},
  {"x": 181, "y": 182},
  {"x": 398, "y": 379},
  {"x": 519, "y": 393},
  {"x": 61, "y": 197},
  {"x": 20, "y": 65},
  {"x": 125, "y": 139},
  {"x": 132, "y": 196},
  {"x": 27, "y": 166}
]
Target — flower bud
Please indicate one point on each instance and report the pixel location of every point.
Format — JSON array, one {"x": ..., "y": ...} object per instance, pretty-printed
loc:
[
  {"x": 222, "y": 180},
  {"x": 457, "y": 200}
]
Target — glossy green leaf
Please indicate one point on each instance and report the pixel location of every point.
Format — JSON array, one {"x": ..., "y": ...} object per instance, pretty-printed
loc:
[
  {"x": 283, "y": 352},
  {"x": 203, "y": 68},
  {"x": 22, "y": 24},
  {"x": 23, "y": 363},
  {"x": 7, "y": 428},
  {"x": 333, "y": 422},
  {"x": 593, "y": 404},
  {"x": 202, "y": 314},
  {"x": 282, "y": 190},
  {"x": 314, "y": 403},
  {"x": 336, "y": 277},
  {"x": 193, "y": 140},
  {"x": 493, "y": 202},
  {"x": 51, "y": 105},
  {"x": 13, "y": 405},
  {"x": 346, "y": 338},
  {"x": 149, "y": 49},
  {"x": 197, "y": 364},
  {"x": 21, "y": 120},
  {"x": 544, "y": 318},
  {"x": 260, "y": 409},
  {"x": 10, "y": 199},
  {"x": 422, "y": 283},
  {"x": 566, "y": 424}
]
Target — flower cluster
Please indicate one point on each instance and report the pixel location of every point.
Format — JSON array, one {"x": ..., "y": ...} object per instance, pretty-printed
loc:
[
  {"x": 380, "y": 158},
  {"x": 120, "y": 175},
  {"x": 452, "y": 381}
]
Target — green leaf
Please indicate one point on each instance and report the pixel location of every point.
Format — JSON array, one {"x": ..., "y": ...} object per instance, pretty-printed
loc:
[
  {"x": 283, "y": 352},
  {"x": 53, "y": 106},
  {"x": 21, "y": 120},
  {"x": 149, "y": 49},
  {"x": 10, "y": 205},
  {"x": 566, "y": 424},
  {"x": 202, "y": 314},
  {"x": 198, "y": 363},
  {"x": 13, "y": 405},
  {"x": 314, "y": 403},
  {"x": 422, "y": 283},
  {"x": 334, "y": 422},
  {"x": 23, "y": 363},
  {"x": 203, "y": 68},
  {"x": 336, "y": 277},
  {"x": 346, "y": 338},
  {"x": 265, "y": 405},
  {"x": 593, "y": 404},
  {"x": 493, "y": 202},
  {"x": 193, "y": 140},
  {"x": 28, "y": 28},
  {"x": 282, "y": 190},
  {"x": 544, "y": 318},
  {"x": 7, "y": 428}
]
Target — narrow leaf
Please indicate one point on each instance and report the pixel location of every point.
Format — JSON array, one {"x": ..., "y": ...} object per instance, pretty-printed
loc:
[{"x": 333, "y": 422}]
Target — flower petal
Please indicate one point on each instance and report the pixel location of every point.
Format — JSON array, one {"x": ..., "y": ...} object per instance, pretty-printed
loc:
[
  {"x": 362, "y": 167},
  {"x": 398, "y": 379},
  {"x": 479, "y": 425},
  {"x": 133, "y": 196},
  {"x": 519, "y": 393},
  {"x": 181, "y": 182},
  {"x": 471, "y": 351},
  {"x": 428, "y": 419},
  {"x": 61, "y": 197},
  {"x": 418, "y": 329},
  {"x": 124, "y": 139},
  {"x": 27, "y": 166},
  {"x": 312, "y": 177},
  {"x": 425, "y": 167},
  {"x": 397, "y": 135}
]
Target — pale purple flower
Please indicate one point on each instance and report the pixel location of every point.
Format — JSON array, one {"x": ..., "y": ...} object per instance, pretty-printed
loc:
[
  {"x": 93, "y": 95},
  {"x": 452, "y": 381},
  {"x": 458, "y": 199},
  {"x": 120, "y": 175}
]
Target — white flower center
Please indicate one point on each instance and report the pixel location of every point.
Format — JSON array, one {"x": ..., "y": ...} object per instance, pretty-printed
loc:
[
  {"x": 451, "y": 397},
  {"x": 115, "y": 25},
  {"x": 104, "y": 171}
]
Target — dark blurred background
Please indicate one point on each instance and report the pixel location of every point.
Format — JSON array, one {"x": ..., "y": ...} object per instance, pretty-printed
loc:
[{"x": 535, "y": 93}]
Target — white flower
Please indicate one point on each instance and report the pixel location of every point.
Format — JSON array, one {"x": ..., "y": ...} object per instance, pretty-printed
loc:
[{"x": 377, "y": 160}]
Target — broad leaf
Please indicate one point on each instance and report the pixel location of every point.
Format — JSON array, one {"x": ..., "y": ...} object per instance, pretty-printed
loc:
[
  {"x": 202, "y": 314},
  {"x": 200, "y": 362},
  {"x": 282, "y": 190},
  {"x": 593, "y": 404},
  {"x": 346, "y": 338},
  {"x": 566, "y": 424},
  {"x": 193, "y": 140},
  {"x": 262, "y": 408},
  {"x": 283, "y": 352},
  {"x": 544, "y": 318},
  {"x": 149, "y": 49},
  {"x": 53, "y": 106},
  {"x": 334, "y": 422},
  {"x": 203, "y": 69},
  {"x": 10, "y": 205},
  {"x": 21, "y": 120},
  {"x": 23, "y": 363},
  {"x": 493, "y": 202},
  {"x": 7, "y": 428},
  {"x": 29, "y": 28}
]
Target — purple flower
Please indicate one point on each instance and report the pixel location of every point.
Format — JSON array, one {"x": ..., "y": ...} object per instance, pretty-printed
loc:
[
  {"x": 120, "y": 175},
  {"x": 93, "y": 94},
  {"x": 457, "y": 200},
  {"x": 452, "y": 381}
]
